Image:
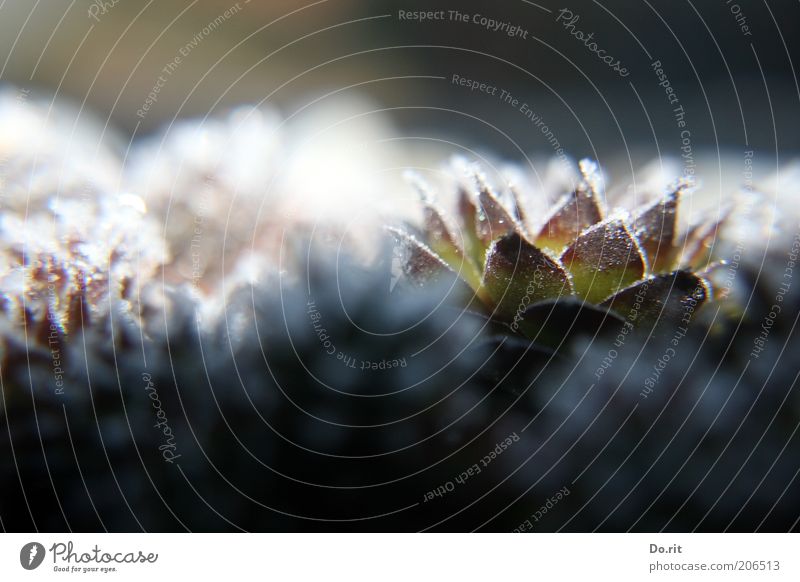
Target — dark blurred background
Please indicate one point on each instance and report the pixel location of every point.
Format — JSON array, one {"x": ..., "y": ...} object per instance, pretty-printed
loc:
[
  {"x": 715, "y": 447},
  {"x": 738, "y": 85}
]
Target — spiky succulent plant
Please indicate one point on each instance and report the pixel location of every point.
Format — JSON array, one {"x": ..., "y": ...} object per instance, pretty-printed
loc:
[
  {"x": 579, "y": 262},
  {"x": 276, "y": 434}
]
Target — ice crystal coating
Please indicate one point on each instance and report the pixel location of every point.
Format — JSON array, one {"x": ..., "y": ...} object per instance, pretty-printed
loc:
[{"x": 580, "y": 251}]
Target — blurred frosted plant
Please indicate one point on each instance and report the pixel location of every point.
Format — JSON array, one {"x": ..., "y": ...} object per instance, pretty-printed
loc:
[
  {"x": 77, "y": 261},
  {"x": 226, "y": 186},
  {"x": 210, "y": 203},
  {"x": 206, "y": 181},
  {"x": 251, "y": 367},
  {"x": 52, "y": 150},
  {"x": 73, "y": 251},
  {"x": 577, "y": 259}
]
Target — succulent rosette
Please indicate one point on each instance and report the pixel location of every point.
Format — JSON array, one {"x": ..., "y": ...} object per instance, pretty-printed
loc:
[{"x": 579, "y": 266}]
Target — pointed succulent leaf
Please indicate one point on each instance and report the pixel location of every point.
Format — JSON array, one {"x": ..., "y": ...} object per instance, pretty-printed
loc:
[
  {"x": 468, "y": 215},
  {"x": 466, "y": 208},
  {"x": 592, "y": 175},
  {"x": 574, "y": 213},
  {"x": 604, "y": 259},
  {"x": 717, "y": 277},
  {"x": 579, "y": 265},
  {"x": 654, "y": 227},
  {"x": 441, "y": 237},
  {"x": 439, "y": 231},
  {"x": 672, "y": 299},
  {"x": 418, "y": 262},
  {"x": 519, "y": 210},
  {"x": 518, "y": 274},
  {"x": 493, "y": 220},
  {"x": 698, "y": 244}
]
